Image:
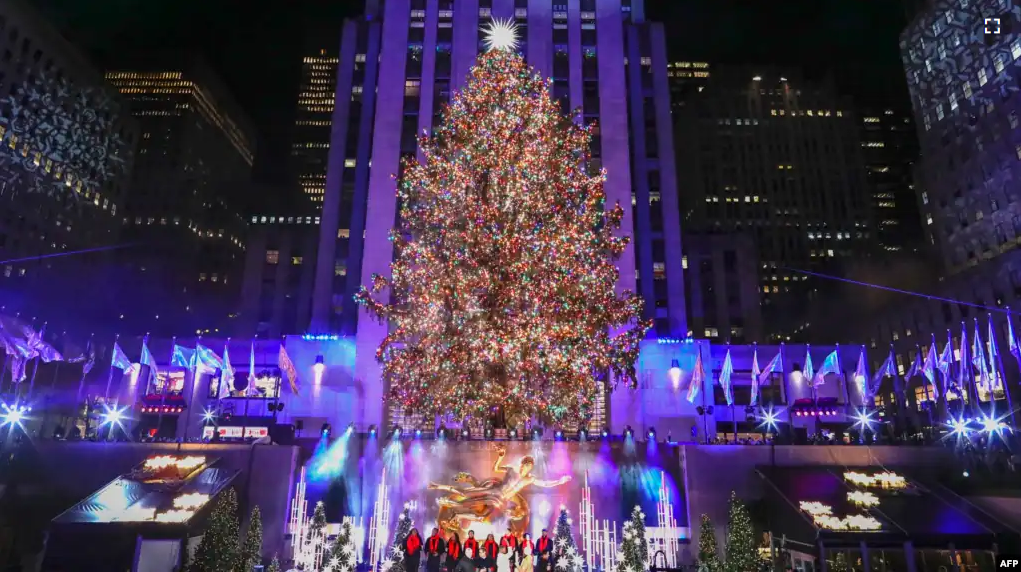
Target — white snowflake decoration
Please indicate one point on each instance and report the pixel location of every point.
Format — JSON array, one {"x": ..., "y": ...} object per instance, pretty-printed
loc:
[{"x": 59, "y": 129}]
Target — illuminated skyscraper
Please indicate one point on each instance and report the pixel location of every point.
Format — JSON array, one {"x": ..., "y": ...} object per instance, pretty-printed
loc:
[
  {"x": 311, "y": 146},
  {"x": 190, "y": 185}
]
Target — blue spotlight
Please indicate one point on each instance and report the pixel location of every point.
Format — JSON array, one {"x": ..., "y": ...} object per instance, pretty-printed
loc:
[
  {"x": 113, "y": 416},
  {"x": 208, "y": 416},
  {"x": 652, "y": 434},
  {"x": 768, "y": 419},
  {"x": 350, "y": 428},
  {"x": 606, "y": 433},
  {"x": 536, "y": 435},
  {"x": 513, "y": 433},
  {"x": 326, "y": 430},
  {"x": 993, "y": 425},
  {"x": 864, "y": 420},
  {"x": 395, "y": 433},
  {"x": 465, "y": 434},
  {"x": 628, "y": 432},
  {"x": 583, "y": 435},
  {"x": 441, "y": 433},
  {"x": 372, "y": 430},
  {"x": 418, "y": 433},
  {"x": 490, "y": 433},
  {"x": 13, "y": 415},
  {"x": 959, "y": 427},
  {"x": 559, "y": 435}
]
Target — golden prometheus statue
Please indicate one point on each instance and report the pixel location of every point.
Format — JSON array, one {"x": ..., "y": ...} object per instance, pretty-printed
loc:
[{"x": 470, "y": 500}]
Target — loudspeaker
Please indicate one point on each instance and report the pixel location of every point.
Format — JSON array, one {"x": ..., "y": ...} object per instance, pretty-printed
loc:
[{"x": 282, "y": 434}]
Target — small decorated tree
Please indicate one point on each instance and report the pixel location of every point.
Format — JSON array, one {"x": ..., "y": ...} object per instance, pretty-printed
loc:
[
  {"x": 218, "y": 550},
  {"x": 274, "y": 565},
  {"x": 251, "y": 549},
  {"x": 708, "y": 551},
  {"x": 840, "y": 563},
  {"x": 566, "y": 556},
  {"x": 742, "y": 555},
  {"x": 634, "y": 556},
  {"x": 395, "y": 563},
  {"x": 342, "y": 553}
]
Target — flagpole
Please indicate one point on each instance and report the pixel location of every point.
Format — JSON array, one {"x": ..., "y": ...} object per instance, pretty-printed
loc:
[
  {"x": 81, "y": 384},
  {"x": 194, "y": 386},
  {"x": 999, "y": 370},
  {"x": 966, "y": 371},
  {"x": 109, "y": 375},
  {"x": 925, "y": 384},
  {"x": 733, "y": 416},
  {"x": 898, "y": 396},
  {"x": 166, "y": 385},
  {"x": 705, "y": 412}
]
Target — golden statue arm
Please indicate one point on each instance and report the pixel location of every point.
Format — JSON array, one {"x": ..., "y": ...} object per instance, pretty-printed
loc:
[
  {"x": 498, "y": 466},
  {"x": 543, "y": 484},
  {"x": 444, "y": 488}
]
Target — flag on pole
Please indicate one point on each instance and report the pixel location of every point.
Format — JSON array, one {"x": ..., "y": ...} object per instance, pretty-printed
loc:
[
  {"x": 965, "y": 363},
  {"x": 183, "y": 357},
  {"x": 226, "y": 375},
  {"x": 755, "y": 376},
  {"x": 946, "y": 359},
  {"x": 995, "y": 376},
  {"x": 725, "y": 373},
  {"x": 887, "y": 369},
  {"x": 697, "y": 376},
  {"x": 808, "y": 371},
  {"x": 1012, "y": 346},
  {"x": 250, "y": 389},
  {"x": 978, "y": 359},
  {"x": 206, "y": 359},
  {"x": 774, "y": 365},
  {"x": 861, "y": 374},
  {"x": 929, "y": 368},
  {"x": 916, "y": 365},
  {"x": 829, "y": 365},
  {"x": 41, "y": 349},
  {"x": 119, "y": 359},
  {"x": 148, "y": 360},
  {"x": 286, "y": 365}
]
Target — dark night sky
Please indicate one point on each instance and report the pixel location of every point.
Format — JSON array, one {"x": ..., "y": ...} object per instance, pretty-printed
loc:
[{"x": 257, "y": 46}]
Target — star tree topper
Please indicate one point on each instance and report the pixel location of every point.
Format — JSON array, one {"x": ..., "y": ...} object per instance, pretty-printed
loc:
[{"x": 501, "y": 35}]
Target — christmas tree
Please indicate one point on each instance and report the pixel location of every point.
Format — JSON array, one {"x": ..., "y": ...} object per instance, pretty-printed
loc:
[
  {"x": 708, "y": 552},
  {"x": 742, "y": 555},
  {"x": 566, "y": 557},
  {"x": 274, "y": 565},
  {"x": 404, "y": 523},
  {"x": 342, "y": 553},
  {"x": 840, "y": 563},
  {"x": 503, "y": 282},
  {"x": 634, "y": 555},
  {"x": 251, "y": 549},
  {"x": 218, "y": 550},
  {"x": 315, "y": 539}
]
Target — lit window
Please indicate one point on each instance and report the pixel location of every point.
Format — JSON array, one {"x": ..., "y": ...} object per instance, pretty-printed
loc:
[
  {"x": 272, "y": 256},
  {"x": 349, "y": 163},
  {"x": 1015, "y": 49},
  {"x": 939, "y": 112},
  {"x": 339, "y": 269},
  {"x": 296, "y": 260},
  {"x": 202, "y": 277},
  {"x": 684, "y": 262},
  {"x": 925, "y": 198},
  {"x": 998, "y": 64},
  {"x": 928, "y": 65},
  {"x": 1017, "y": 151},
  {"x": 1013, "y": 119},
  {"x": 982, "y": 77},
  {"x": 967, "y": 89}
]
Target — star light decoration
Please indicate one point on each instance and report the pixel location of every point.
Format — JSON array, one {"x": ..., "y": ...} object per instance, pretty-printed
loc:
[
  {"x": 503, "y": 289},
  {"x": 501, "y": 35}
]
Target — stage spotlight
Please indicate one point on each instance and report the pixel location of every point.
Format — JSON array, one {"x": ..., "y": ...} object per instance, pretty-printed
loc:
[
  {"x": 559, "y": 435},
  {"x": 628, "y": 432},
  {"x": 966, "y": 474},
  {"x": 113, "y": 416},
  {"x": 13, "y": 415},
  {"x": 418, "y": 433},
  {"x": 992, "y": 425},
  {"x": 350, "y": 428},
  {"x": 319, "y": 367},
  {"x": 465, "y": 433},
  {"x": 441, "y": 433},
  {"x": 768, "y": 419},
  {"x": 208, "y": 416},
  {"x": 536, "y": 435},
  {"x": 674, "y": 373},
  {"x": 583, "y": 435},
  {"x": 326, "y": 430},
  {"x": 652, "y": 434},
  {"x": 606, "y": 433},
  {"x": 490, "y": 433},
  {"x": 372, "y": 430},
  {"x": 864, "y": 420},
  {"x": 513, "y": 433}
]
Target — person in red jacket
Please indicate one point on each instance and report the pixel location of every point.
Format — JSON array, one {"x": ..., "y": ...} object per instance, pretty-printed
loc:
[
  {"x": 453, "y": 552},
  {"x": 435, "y": 548},
  {"x": 543, "y": 552},
  {"x": 510, "y": 541},
  {"x": 412, "y": 551},
  {"x": 470, "y": 542},
  {"x": 489, "y": 551}
]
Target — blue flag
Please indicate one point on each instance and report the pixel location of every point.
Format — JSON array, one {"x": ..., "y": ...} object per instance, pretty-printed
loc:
[
  {"x": 119, "y": 359},
  {"x": 725, "y": 373},
  {"x": 183, "y": 357}
]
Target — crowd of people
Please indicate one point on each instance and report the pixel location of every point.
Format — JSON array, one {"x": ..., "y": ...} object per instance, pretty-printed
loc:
[{"x": 450, "y": 554}]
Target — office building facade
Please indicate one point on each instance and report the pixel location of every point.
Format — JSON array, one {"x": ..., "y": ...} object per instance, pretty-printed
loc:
[
  {"x": 311, "y": 146},
  {"x": 67, "y": 151},
  {"x": 771, "y": 155},
  {"x": 721, "y": 287},
  {"x": 398, "y": 67},
  {"x": 890, "y": 149},
  {"x": 191, "y": 180}
]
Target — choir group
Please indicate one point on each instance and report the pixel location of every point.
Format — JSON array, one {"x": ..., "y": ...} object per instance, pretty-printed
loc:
[{"x": 511, "y": 554}]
